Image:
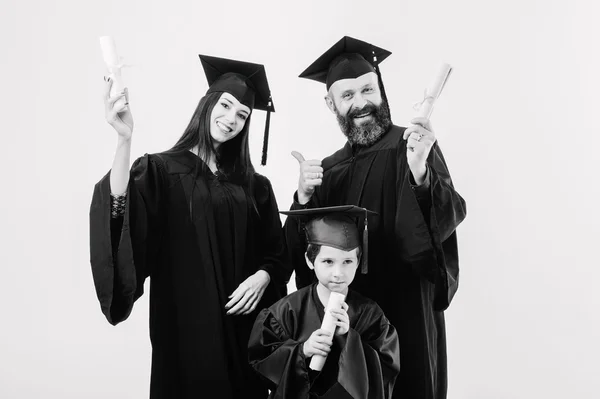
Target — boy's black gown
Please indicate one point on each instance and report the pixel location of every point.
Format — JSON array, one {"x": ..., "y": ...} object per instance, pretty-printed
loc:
[
  {"x": 194, "y": 264},
  {"x": 363, "y": 363}
]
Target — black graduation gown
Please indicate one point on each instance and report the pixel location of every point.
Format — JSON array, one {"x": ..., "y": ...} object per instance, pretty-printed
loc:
[
  {"x": 412, "y": 249},
  {"x": 363, "y": 364},
  {"x": 193, "y": 265}
]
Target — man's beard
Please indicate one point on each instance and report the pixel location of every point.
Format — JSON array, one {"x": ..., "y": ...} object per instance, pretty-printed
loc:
[{"x": 367, "y": 133}]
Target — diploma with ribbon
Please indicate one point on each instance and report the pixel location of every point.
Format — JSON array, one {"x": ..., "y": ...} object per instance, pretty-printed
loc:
[
  {"x": 335, "y": 299},
  {"x": 433, "y": 91},
  {"x": 114, "y": 66}
]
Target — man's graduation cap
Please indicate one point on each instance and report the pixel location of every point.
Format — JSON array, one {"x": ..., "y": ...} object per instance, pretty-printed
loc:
[
  {"x": 336, "y": 226},
  {"x": 246, "y": 81},
  {"x": 349, "y": 58}
]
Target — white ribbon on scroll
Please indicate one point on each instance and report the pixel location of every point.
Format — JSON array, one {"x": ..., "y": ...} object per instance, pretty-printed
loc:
[
  {"x": 335, "y": 300},
  {"x": 433, "y": 91},
  {"x": 114, "y": 66}
]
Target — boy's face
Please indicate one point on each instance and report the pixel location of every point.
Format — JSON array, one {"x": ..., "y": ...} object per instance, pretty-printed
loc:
[{"x": 335, "y": 268}]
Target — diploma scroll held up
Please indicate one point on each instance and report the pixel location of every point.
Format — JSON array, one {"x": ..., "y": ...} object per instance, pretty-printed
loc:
[
  {"x": 113, "y": 64},
  {"x": 425, "y": 107},
  {"x": 335, "y": 299}
]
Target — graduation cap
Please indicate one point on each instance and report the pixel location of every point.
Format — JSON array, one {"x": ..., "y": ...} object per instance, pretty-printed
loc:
[
  {"x": 246, "y": 81},
  {"x": 336, "y": 226},
  {"x": 349, "y": 58}
]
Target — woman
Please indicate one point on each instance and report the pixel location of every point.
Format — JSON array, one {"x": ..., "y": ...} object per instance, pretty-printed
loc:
[{"x": 204, "y": 226}]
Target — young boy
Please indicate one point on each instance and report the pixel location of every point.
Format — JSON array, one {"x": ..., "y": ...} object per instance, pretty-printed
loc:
[{"x": 363, "y": 355}]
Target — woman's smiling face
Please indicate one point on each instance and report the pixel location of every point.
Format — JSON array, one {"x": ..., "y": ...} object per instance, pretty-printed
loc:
[{"x": 227, "y": 119}]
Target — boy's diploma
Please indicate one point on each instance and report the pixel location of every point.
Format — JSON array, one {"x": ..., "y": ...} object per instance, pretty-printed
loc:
[{"x": 335, "y": 300}]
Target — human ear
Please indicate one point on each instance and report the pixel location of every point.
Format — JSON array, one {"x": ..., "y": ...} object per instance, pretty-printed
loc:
[{"x": 329, "y": 102}]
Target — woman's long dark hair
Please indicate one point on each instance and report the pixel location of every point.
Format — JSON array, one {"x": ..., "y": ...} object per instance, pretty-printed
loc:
[{"x": 233, "y": 156}]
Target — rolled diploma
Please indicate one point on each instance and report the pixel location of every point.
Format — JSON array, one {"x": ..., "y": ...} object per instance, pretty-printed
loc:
[
  {"x": 111, "y": 59},
  {"x": 433, "y": 91},
  {"x": 335, "y": 299}
]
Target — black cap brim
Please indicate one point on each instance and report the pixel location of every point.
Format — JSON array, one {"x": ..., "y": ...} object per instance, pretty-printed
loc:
[{"x": 350, "y": 210}]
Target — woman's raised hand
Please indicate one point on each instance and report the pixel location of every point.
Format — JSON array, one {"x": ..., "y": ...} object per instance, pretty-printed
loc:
[{"x": 118, "y": 115}]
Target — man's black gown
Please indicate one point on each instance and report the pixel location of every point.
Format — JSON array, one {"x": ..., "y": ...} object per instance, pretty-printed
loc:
[
  {"x": 193, "y": 264},
  {"x": 413, "y": 253},
  {"x": 362, "y": 364}
]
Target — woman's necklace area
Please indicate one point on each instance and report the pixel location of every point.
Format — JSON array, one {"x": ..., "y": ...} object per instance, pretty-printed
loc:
[{"x": 211, "y": 163}]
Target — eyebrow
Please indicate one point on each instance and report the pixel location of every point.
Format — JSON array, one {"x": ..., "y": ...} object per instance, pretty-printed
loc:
[{"x": 231, "y": 102}]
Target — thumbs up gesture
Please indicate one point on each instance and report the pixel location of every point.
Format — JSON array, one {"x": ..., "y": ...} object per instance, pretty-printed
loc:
[{"x": 311, "y": 175}]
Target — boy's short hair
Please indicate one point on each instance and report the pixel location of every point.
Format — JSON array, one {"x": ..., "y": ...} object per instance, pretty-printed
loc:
[{"x": 312, "y": 250}]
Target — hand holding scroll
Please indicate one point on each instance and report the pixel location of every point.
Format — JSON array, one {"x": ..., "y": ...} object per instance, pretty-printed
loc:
[
  {"x": 319, "y": 343},
  {"x": 330, "y": 323},
  {"x": 113, "y": 65},
  {"x": 420, "y": 139},
  {"x": 117, "y": 113},
  {"x": 342, "y": 320}
]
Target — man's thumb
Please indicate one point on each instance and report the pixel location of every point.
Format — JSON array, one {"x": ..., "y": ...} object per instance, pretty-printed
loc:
[{"x": 298, "y": 156}]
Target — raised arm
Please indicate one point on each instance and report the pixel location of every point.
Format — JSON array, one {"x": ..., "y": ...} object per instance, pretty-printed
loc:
[
  {"x": 120, "y": 118},
  {"x": 125, "y": 229}
]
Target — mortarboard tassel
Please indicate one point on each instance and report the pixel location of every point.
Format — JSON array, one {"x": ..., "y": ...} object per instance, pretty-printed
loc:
[
  {"x": 365, "y": 255},
  {"x": 263, "y": 162},
  {"x": 381, "y": 86}
]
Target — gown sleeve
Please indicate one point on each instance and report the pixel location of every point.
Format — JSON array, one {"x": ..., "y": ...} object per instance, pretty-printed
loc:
[
  {"x": 448, "y": 206},
  {"x": 278, "y": 358},
  {"x": 432, "y": 246},
  {"x": 123, "y": 249},
  {"x": 370, "y": 361},
  {"x": 273, "y": 250}
]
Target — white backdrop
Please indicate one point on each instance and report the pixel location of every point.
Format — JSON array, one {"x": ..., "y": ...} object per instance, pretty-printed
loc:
[{"x": 516, "y": 123}]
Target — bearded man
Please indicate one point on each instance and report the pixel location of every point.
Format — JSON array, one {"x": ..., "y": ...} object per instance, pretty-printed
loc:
[{"x": 410, "y": 262}]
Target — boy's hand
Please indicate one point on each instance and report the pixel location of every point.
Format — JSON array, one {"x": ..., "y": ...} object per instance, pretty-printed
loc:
[
  {"x": 319, "y": 343},
  {"x": 343, "y": 321}
]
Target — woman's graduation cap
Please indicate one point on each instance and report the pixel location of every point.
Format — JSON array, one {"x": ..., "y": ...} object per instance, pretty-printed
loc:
[
  {"x": 336, "y": 226},
  {"x": 246, "y": 81},
  {"x": 349, "y": 58}
]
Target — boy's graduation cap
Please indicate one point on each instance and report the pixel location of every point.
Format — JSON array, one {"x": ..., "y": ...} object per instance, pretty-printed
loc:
[
  {"x": 246, "y": 81},
  {"x": 336, "y": 226},
  {"x": 349, "y": 58}
]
